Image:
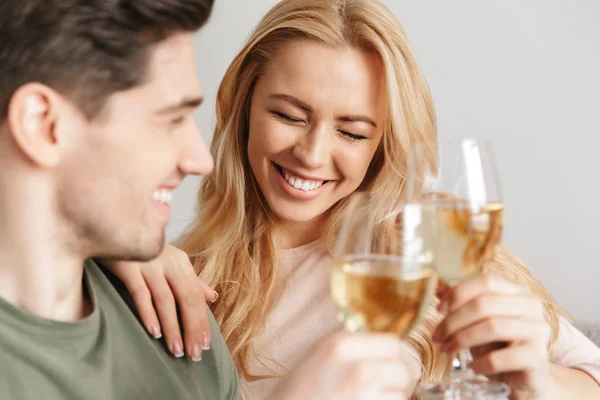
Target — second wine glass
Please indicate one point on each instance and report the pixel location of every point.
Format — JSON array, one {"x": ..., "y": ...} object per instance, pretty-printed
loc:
[{"x": 454, "y": 220}]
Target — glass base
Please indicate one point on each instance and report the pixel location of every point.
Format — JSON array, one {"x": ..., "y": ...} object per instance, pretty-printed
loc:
[{"x": 463, "y": 386}]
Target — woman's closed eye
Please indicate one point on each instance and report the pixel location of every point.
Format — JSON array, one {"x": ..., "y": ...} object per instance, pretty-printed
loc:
[
  {"x": 347, "y": 135},
  {"x": 286, "y": 117},
  {"x": 351, "y": 136}
]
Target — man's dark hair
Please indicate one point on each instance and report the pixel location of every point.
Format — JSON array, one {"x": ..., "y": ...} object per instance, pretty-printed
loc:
[{"x": 86, "y": 49}]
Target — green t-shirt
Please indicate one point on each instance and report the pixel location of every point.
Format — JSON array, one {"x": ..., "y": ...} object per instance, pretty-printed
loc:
[{"x": 107, "y": 355}]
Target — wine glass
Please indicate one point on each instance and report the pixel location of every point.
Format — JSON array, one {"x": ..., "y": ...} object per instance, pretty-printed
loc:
[
  {"x": 454, "y": 222},
  {"x": 375, "y": 286}
]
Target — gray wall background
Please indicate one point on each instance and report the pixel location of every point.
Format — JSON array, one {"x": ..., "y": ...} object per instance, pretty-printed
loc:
[{"x": 523, "y": 73}]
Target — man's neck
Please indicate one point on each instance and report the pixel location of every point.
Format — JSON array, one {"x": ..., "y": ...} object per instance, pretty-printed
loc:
[{"x": 38, "y": 272}]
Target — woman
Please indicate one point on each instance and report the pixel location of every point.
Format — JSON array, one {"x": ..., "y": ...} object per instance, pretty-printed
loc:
[{"x": 324, "y": 100}]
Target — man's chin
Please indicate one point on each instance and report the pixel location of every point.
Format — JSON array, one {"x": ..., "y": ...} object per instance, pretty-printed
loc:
[
  {"x": 151, "y": 252},
  {"x": 143, "y": 253}
]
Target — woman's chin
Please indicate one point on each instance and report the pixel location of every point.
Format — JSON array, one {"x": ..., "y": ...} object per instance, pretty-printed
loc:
[{"x": 292, "y": 215}]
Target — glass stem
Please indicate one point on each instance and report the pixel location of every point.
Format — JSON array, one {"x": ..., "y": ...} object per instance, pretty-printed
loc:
[
  {"x": 460, "y": 364},
  {"x": 463, "y": 360}
]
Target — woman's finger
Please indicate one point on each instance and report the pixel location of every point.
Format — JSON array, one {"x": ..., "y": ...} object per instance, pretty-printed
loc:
[
  {"x": 164, "y": 303},
  {"x": 490, "y": 306},
  {"x": 464, "y": 293},
  {"x": 500, "y": 329},
  {"x": 132, "y": 278},
  {"x": 524, "y": 357},
  {"x": 382, "y": 378},
  {"x": 210, "y": 294},
  {"x": 480, "y": 351},
  {"x": 388, "y": 396},
  {"x": 189, "y": 293},
  {"x": 376, "y": 394}
]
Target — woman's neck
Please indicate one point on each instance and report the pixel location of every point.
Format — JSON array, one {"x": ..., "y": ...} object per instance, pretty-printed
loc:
[{"x": 291, "y": 234}]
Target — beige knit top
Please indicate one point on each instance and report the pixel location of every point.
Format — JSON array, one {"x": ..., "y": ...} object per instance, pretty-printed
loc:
[{"x": 306, "y": 313}]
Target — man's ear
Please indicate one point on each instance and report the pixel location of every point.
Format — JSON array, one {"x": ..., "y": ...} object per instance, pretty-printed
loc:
[{"x": 32, "y": 116}]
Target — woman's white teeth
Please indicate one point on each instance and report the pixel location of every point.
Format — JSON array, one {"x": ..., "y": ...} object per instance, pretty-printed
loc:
[
  {"x": 300, "y": 184},
  {"x": 163, "y": 196}
]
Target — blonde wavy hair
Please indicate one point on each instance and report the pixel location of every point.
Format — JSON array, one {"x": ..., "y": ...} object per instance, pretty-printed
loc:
[{"x": 231, "y": 243}]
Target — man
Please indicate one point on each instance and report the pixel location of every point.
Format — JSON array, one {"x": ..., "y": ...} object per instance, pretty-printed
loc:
[
  {"x": 96, "y": 131},
  {"x": 96, "y": 101}
]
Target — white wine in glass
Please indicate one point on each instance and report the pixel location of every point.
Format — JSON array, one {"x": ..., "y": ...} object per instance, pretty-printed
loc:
[
  {"x": 379, "y": 293},
  {"x": 375, "y": 286},
  {"x": 459, "y": 238},
  {"x": 454, "y": 211}
]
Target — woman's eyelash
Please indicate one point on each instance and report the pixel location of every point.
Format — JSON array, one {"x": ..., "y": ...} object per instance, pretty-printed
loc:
[
  {"x": 353, "y": 137},
  {"x": 286, "y": 117}
]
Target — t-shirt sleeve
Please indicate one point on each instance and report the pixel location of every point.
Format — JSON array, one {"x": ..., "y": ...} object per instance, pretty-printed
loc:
[
  {"x": 231, "y": 390},
  {"x": 574, "y": 350},
  {"x": 228, "y": 376}
]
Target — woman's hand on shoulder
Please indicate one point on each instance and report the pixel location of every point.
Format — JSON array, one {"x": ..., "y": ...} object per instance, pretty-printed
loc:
[{"x": 161, "y": 289}]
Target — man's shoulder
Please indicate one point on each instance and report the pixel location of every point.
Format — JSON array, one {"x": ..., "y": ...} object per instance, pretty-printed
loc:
[
  {"x": 216, "y": 373},
  {"x": 12, "y": 382},
  {"x": 219, "y": 362},
  {"x": 103, "y": 280}
]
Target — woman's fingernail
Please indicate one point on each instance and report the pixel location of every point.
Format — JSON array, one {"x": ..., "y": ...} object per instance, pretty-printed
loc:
[
  {"x": 196, "y": 353},
  {"x": 155, "y": 331},
  {"x": 178, "y": 349},
  {"x": 443, "y": 307},
  {"x": 446, "y": 348},
  {"x": 216, "y": 296},
  {"x": 205, "y": 342}
]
